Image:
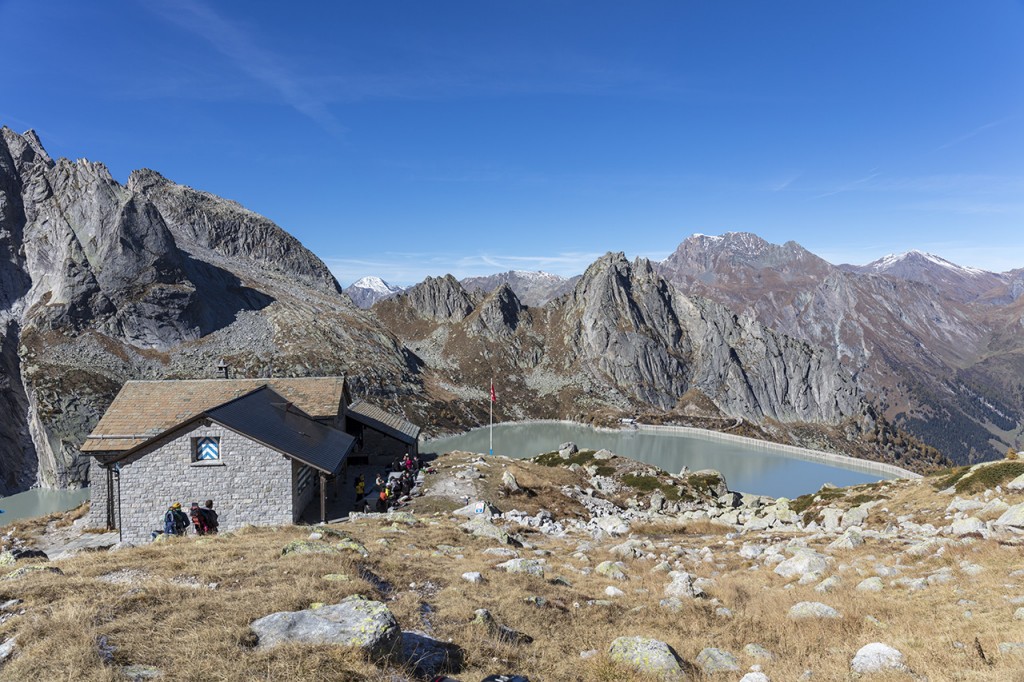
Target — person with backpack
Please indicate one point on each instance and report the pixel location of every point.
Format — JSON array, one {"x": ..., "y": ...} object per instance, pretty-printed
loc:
[
  {"x": 175, "y": 520},
  {"x": 210, "y": 516},
  {"x": 382, "y": 500},
  {"x": 198, "y": 521}
]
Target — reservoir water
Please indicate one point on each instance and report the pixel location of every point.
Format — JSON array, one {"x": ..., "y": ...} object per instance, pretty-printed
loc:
[
  {"x": 39, "y": 502},
  {"x": 746, "y": 469}
]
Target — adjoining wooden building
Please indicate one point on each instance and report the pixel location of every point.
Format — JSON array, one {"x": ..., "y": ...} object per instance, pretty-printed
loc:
[{"x": 263, "y": 449}]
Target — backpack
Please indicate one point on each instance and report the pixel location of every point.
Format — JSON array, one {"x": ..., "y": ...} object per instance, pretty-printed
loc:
[{"x": 200, "y": 521}]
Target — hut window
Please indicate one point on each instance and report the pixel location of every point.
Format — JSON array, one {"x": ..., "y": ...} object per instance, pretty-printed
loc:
[{"x": 206, "y": 449}]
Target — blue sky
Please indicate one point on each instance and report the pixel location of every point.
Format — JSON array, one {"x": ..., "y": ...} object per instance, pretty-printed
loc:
[{"x": 413, "y": 138}]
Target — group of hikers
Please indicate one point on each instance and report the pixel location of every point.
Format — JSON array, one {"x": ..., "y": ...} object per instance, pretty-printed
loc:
[
  {"x": 176, "y": 522},
  {"x": 392, "y": 486}
]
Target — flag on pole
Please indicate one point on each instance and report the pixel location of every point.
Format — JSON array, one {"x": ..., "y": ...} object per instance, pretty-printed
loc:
[{"x": 494, "y": 398}]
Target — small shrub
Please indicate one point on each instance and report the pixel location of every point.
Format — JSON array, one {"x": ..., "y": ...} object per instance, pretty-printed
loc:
[
  {"x": 553, "y": 459},
  {"x": 949, "y": 477},
  {"x": 989, "y": 477},
  {"x": 647, "y": 484}
]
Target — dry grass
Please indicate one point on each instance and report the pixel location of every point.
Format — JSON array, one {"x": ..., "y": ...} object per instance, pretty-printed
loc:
[{"x": 197, "y": 633}]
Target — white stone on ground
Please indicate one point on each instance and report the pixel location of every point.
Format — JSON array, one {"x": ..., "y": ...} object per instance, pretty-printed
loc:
[{"x": 877, "y": 657}]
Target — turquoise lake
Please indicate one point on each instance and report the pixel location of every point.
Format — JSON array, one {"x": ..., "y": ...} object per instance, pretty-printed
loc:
[{"x": 746, "y": 469}]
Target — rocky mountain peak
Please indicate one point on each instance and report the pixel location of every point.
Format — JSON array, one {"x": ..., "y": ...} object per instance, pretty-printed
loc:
[
  {"x": 439, "y": 298},
  {"x": 25, "y": 149},
  {"x": 950, "y": 280},
  {"x": 204, "y": 222},
  {"x": 498, "y": 314}
]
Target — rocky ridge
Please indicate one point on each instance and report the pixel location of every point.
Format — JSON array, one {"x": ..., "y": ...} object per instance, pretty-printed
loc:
[{"x": 928, "y": 341}]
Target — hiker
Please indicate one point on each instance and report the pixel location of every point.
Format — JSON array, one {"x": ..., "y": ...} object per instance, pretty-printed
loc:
[
  {"x": 406, "y": 463},
  {"x": 380, "y": 481},
  {"x": 175, "y": 520},
  {"x": 198, "y": 520},
  {"x": 382, "y": 501},
  {"x": 360, "y": 486},
  {"x": 210, "y": 515}
]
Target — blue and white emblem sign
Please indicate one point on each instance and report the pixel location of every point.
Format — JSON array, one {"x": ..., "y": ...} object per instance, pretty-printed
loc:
[{"x": 207, "y": 448}]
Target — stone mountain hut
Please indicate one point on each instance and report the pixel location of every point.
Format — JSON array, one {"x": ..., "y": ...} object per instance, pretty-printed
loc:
[{"x": 263, "y": 449}]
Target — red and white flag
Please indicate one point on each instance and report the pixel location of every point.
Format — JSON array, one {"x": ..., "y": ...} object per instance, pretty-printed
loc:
[{"x": 494, "y": 398}]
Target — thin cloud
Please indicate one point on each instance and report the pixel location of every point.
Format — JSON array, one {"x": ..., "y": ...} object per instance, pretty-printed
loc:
[
  {"x": 249, "y": 57},
  {"x": 977, "y": 131}
]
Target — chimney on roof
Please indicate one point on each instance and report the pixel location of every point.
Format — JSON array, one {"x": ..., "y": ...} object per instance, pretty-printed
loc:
[{"x": 222, "y": 367}]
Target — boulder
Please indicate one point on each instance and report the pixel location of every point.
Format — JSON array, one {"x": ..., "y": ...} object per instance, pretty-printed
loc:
[
  {"x": 1016, "y": 485},
  {"x": 603, "y": 454},
  {"x": 355, "y": 622},
  {"x": 876, "y": 658},
  {"x": 1012, "y": 518},
  {"x": 802, "y": 562},
  {"x": 509, "y": 482},
  {"x": 527, "y": 566},
  {"x": 712, "y": 660},
  {"x": 813, "y": 609},
  {"x": 473, "y": 577},
  {"x": 613, "y": 525},
  {"x": 850, "y": 539},
  {"x": 350, "y": 545},
  {"x": 567, "y": 450},
  {"x": 648, "y": 656},
  {"x": 968, "y": 526},
  {"x": 831, "y": 517},
  {"x": 682, "y": 586},
  {"x": 481, "y": 527},
  {"x": 610, "y": 570},
  {"x": 309, "y": 547},
  {"x": 870, "y": 585},
  {"x": 429, "y": 657},
  {"x": 483, "y": 617},
  {"x": 758, "y": 651}
]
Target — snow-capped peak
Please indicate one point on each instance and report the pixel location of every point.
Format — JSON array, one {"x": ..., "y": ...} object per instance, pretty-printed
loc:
[
  {"x": 893, "y": 260},
  {"x": 374, "y": 283},
  {"x": 536, "y": 275}
]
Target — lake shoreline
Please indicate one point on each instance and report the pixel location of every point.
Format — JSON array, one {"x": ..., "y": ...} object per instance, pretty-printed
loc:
[{"x": 843, "y": 461}]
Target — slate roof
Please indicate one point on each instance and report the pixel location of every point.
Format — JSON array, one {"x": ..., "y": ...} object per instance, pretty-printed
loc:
[
  {"x": 144, "y": 409},
  {"x": 267, "y": 417},
  {"x": 383, "y": 421}
]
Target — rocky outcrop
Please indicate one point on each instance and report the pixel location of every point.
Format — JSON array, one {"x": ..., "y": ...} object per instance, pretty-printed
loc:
[
  {"x": 439, "y": 298},
  {"x": 498, "y": 314},
  {"x": 209, "y": 222},
  {"x": 101, "y": 282},
  {"x": 626, "y": 325}
]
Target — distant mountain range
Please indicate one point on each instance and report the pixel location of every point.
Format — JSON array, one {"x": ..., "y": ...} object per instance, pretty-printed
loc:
[
  {"x": 102, "y": 282},
  {"x": 532, "y": 288}
]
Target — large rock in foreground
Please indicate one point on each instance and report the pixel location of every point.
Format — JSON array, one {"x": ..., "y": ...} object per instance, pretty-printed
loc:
[
  {"x": 356, "y": 622},
  {"x": 648, "y": 656}
]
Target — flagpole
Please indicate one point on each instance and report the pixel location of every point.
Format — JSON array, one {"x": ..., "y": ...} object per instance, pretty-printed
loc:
[{"x": 490, "y": 411}]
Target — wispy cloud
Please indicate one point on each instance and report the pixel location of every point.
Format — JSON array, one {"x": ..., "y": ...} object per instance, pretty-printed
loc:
[
  {"x": 859, "y": 184},
  {"x": 977, "y": 131},
  {"x": 248, "y": 56}
]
